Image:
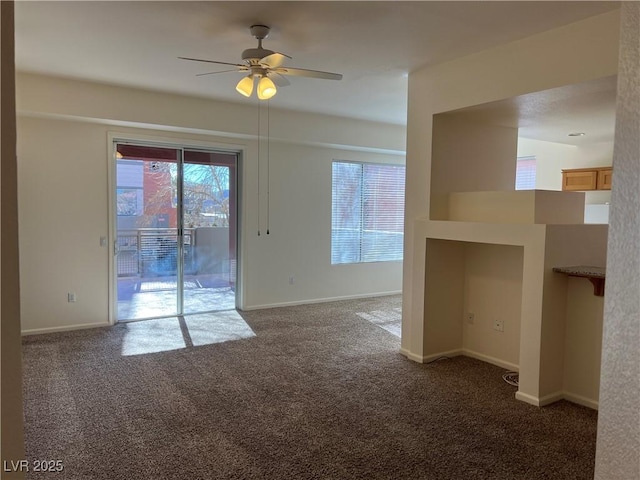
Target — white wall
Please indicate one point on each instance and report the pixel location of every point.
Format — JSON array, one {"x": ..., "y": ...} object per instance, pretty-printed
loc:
[{"x": 63, "y": 155}]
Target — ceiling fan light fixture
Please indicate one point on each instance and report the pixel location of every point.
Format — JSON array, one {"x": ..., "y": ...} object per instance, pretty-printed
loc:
[
  {"x": 245, "y": 86},
  {"x": 260, "y": 64},
  {"x": 266, "y": 88}
]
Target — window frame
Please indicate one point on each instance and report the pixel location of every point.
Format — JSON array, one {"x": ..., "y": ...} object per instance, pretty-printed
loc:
[
  {"x": 528, "y": 176},
  {"x": 363, "y": 254}
]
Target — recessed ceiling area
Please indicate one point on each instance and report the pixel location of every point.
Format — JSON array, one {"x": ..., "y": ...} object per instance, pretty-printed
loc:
[
  {"x": 552, "y": 115},
  {"x": 373, "y": 44}
]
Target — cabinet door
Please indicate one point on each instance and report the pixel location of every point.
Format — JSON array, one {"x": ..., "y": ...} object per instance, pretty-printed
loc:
[
  {"x": 579, "y": 180},
  {"x": 604, "y": 179}
]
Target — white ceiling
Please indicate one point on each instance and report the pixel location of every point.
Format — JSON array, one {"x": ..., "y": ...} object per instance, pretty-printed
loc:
[{"x": 373, "y": 44}]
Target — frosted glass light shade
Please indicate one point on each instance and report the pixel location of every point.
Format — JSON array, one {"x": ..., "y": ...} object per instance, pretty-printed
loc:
[
  {"x": 266, "y": 88},
  {"x": 245, "y": 86}
]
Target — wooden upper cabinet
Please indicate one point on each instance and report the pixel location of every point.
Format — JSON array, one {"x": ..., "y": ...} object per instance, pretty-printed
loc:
[
  {"x": 579, "y": 179},
  {"x": 604, "y": 179}
]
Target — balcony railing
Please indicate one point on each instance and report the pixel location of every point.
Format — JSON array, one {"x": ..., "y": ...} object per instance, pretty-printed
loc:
[{"x": 153, "y": 252}]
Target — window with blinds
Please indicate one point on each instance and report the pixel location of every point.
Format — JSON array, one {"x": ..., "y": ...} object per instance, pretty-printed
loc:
[
  {"x": 367, "y": 220},
  {"x": 526, "y": 173}
]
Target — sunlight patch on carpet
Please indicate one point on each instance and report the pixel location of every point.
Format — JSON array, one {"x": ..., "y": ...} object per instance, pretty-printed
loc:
[
  {"x": 390, "y": 320},
  {"x": 209, "y": 328},
  {"x": 151, "y": 304},
  {"x": 166, "y": 334},
  {"x": 152, "y": 336}
]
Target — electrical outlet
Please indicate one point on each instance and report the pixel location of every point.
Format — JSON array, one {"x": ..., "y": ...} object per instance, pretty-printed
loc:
[
  {"x": 498, "y": 325},
  {"x": 471, "y": 317},
  {"x": 71, "y": 297},
  {"x": 292, "y": 280}
]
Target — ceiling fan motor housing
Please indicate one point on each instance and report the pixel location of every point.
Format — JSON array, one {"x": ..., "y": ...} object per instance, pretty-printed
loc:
[
  {"x": 265, "y": 64},
  {"x": 253, "y": 55}
]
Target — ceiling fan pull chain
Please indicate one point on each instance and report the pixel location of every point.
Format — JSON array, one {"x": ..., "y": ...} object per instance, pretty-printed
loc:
[
  {"x": 268, "y": 164},
  {"x": 259, "y": 167}
]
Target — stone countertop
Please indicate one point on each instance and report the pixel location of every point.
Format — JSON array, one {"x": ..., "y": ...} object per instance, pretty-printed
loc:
[
  {"x": 596, "y": 276},
  {"x": 582, "y": 271}
]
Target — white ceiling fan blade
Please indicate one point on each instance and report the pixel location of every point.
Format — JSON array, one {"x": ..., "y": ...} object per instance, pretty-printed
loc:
[
  {"x": 212, "y": 61},
  {"x": 278, "y": 79},
  {"x": 274, "y": 60},
  {"x": 222, "y": 71},
  {"x": 301, "y": 72}
]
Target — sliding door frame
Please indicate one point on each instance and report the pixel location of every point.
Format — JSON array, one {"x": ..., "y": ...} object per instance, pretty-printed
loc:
[{"x": 179, "y": 144}]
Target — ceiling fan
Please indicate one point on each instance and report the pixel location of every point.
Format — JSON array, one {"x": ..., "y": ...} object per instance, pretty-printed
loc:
[{"x": 265, "y": 66}]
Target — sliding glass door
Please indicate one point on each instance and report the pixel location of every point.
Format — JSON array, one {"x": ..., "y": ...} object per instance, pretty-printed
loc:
[
  {"x": 176, "y": 222},
  {"x": 209, "y": 218}
]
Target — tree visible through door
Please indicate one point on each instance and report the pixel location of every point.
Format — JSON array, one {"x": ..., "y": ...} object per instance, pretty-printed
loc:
[{"x": 176, "y": 231}]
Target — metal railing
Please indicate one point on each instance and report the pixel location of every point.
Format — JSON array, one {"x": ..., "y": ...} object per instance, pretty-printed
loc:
[{"x": 153, "y": 252}]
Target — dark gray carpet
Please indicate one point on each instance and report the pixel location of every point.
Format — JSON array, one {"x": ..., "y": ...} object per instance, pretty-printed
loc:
[{"x": 318, "y": 393}]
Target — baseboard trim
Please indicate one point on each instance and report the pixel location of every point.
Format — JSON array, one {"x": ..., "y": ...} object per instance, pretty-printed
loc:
[
  {"x": 491, "y": 360},
  {"x": 64, "y": 328},
  {"x": 580, "y": 400},
  {"x": 428, "y": 358},
  {"x": 524, "y": 397},
  {"x": 554, "y": 397},
  {"x": 530, "y": 399},
  {"x": 551, "y": 398},
  {"x": 311, "y": 301},
  {"x": 448, "y": 353},
  {"x": 458, "y": 352},
  {"x": 411, "y": 356}
]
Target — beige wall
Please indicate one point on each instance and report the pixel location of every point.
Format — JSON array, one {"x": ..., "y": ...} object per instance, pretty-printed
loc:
[
  {"x": 112, "y": 105},
  {"x": 566, "y": 245},
  {"x": 493, "y": 291},
  {"x": 62, "y": 172},
  {"x": 582, "y": 51},
  {"x": 618, "y": 448},
  {"x": 564, "y": 56},
  {"x": 473, "y": 277},
  {"x": 462, "y": 151},
  {"x": 552, "y": 158},
  {"x": 523, "y": 206},
  {"x": 443, "y": 283},
  {"x": 12, "y": 440},
  {"x": 583, "y": 342},
  {"x": 63, "y": 152},
  {"x": 444, "y": 298},
  {"x": 505, "y": 272}
]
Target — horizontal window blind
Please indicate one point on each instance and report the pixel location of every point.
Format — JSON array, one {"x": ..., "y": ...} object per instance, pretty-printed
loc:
[
  {"x": 367, "y": 212},
  {"x": 526, "y": 173}
]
